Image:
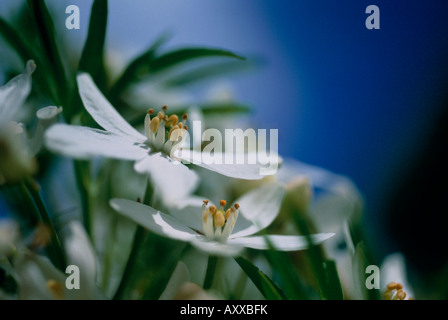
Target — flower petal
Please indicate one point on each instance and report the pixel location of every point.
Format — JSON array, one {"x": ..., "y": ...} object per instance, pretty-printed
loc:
[
  {"x": 280, "y": 242},
  {"x": 174, "y": 180},
  {"x": 80, "y": 253},
  {"x": 103, "y": 112},
  {"x": 234, "y": 170},
  {"x": 258, "y": 208},
  {"x": 83, "y": 143},
  {"x": 217, "y": 248},
  {"x": 156, "y": 221},
  {"x": 14, "y": 93}
]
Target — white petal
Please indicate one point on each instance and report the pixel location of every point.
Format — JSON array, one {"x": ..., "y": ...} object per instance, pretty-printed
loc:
[
  {"x": 173, "y": 180},
  {"x": 319, "y": 177},
  {"x": 393, "y": 269},
  {"x": 103, "y": 112},
  {"x": 217, "y": 248},
  {"x": 178, "y": 278},
  {"x": 258, "y": 208},
  {"x": 280, "y": 242},
  {"x": 239, "y": 171},
  {"x": 14, "y": 93},
  {"x": 80, "y": 252},
  {"x": 156, "y": 221},
  {"x": 46, "y": 117},
  {"x": 83, "y": 143},
  {"x": 188, "y": 210}
]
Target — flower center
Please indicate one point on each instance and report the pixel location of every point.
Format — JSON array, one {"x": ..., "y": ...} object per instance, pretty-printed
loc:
[
  {"x": 164, "y": 132},
  {"x": 394, "y": 291},
  {"x": 218, "y": 224}
]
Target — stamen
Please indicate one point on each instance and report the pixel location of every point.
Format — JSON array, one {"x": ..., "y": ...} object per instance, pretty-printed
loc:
[
  {"x": 154, "y": 124},
  {"x": 160, "y": 115},
  {"x": 150, "y": 111},
  {"x": 219, "y": 219},
  {"x": 237, "y": 206},
  {"x": 205, "y": 202},
  {"x": 174, "y": 133},
  {"x": 184, "y": 116},
  {"x": 164, "y": 108},
  {"x": 56, "y": 289},
  {"x": 228, "y": 212},
  {"x": 222, "y": 203},
  {"x": 173, "y": 120}
]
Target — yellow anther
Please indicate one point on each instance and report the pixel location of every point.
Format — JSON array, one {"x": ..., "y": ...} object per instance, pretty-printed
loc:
[
  {"x": 154, "y": 124},
  {"x": 228, "y": 212},
  {"x": 399, "y": 286},
  {"x": 173, "y": 120},
  {"x": 391, "y": 286},
  {"x": 222, "y": 203},
  {"x": 213, "y": 209},
  {"x": 56, "y": 289},
  {"x": 165, "y": 118},
  {"x": 219, "y": 219},
  {"x": 150, "y": 111},
  {"x": 160, "y": 115},
  {"x": 401, "y": 295},
  {"x": 180, "y": 124},
  {"x": 185, "y": 127},
  {"x": 387, "y": 295}
]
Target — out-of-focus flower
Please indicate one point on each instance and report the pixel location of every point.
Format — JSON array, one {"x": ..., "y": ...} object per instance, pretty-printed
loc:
[
  {"x": 393, "y": 278},
  {"x": 16, "y": 150},
  {"x": 151, "y": 152},
  {"x": 258, "y": 209},
  {"x": 38, "y": 279}
]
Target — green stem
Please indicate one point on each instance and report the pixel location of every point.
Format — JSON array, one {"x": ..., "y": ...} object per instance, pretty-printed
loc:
[
  {"x": 82, "y": 175},
  {"x": 210, "y": 273},
  {"x": 55, "y": 249},
  {"x": 139, "y": 237}
]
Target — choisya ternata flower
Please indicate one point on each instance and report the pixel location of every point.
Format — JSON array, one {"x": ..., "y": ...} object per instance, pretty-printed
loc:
[
  {"x": 16, "y": 149},
  {"x": 152, "y": 151},
  {"x": 394, "y": 291},
  {"x": 217, "y": 230}
]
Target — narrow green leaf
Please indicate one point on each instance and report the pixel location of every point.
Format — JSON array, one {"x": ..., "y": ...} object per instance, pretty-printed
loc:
[
  {"x": 333, "y": 283},
  {"x": 173, "y": 58},
  {"x": 266, "y": 286},
  {"x": 204, "y": 73},
  {"x": 136, "y": 67},
  {"x": 26, "y": 52},
  {"x": 45, "y": 28},
  {"x": 92, "y": 58}
]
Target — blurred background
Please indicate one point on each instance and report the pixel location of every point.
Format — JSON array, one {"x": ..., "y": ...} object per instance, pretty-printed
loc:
[{"x": 369, "y": 104}]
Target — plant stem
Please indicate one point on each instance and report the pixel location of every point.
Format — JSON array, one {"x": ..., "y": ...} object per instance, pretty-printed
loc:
[
  {"x": 55, "y": 249},
  {"x": 210, "y": 273},
  {"x": 139, "y": 237}
]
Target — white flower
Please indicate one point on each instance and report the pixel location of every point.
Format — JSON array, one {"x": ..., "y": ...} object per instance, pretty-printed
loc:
[
  {"x": 210, "y": 228},
  {"x": 14, "y": 93},
  {"x": 151, "y": 152},
  {"x": 37, "y": 278},
  {"x": 394, "y": 280},
  {"x": 16, "y": 149}
]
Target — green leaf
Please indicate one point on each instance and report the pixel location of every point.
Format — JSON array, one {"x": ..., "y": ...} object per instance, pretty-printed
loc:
[
  {"x": 173, "y": 58},
  {"x": 46, "y": 31},
  {"x": 333, "y": 283},
  {"x": 26, "y": 52},
  {"x": 130, "y": 74},
  {"x": 207, "y": 72},
  {"x": 266, "y": 286},
  {"x": 92, "y": 58}
]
